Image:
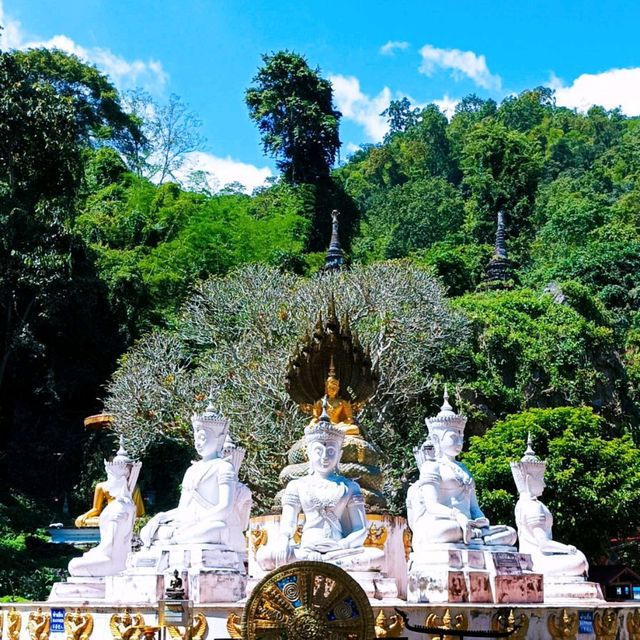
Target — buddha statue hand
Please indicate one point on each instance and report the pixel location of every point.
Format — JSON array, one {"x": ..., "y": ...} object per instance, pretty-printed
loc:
[{"x": 282, "y": 551}]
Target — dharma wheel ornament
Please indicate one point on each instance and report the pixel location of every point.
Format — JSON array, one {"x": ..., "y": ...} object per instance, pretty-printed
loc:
[{"x": 308, "y": 601}]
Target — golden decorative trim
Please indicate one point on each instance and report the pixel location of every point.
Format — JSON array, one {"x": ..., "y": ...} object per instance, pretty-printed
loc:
[
  {"x": 39, "y": 625},
  {"x": 508, "y": 621},
  {"x": 459, "y": 623},
  {"x": 124, "y": 626},
  {"x": 605, "y": 624},
  {"x": 406, "y": 541},
  {"x": 78, "y": 625},
  {"x": 234, "y": 628},
  {"x": 633, "y": 624},
  {"x": 14, "y": 624},
  {"x": 388, "y": 629},
  {"x": 198, "y": 631},
  {"x": 376, "y": 536},
  {"x": 563, "y": 626},
  {"x": 259, "y": 537}
]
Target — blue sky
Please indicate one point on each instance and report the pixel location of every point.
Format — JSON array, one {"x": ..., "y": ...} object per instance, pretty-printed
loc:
[{"x": 207, "y": 52}]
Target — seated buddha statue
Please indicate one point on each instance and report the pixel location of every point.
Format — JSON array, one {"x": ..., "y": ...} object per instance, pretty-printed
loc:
[
  {"x": 214, "y": 505},
  {"x": 442, "y": 506},
  {"x": 101, "y": 498},
  {"x": 335, "y": 526},
  {"x": 116, "y": 521},
  {"x": 535, "y": 522},
  {"x": 339, "y": 410}
]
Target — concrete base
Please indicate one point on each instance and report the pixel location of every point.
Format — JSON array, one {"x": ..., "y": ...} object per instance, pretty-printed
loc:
[
  {"x": 457, "y": 573},
  {"x": 78, "y": 589},
  {"x": 210, "y": 573},
  {"x": 557, "y": 589}
]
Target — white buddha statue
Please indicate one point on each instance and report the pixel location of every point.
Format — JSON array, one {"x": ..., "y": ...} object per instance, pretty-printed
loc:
[
  {"x": 442, "y": 506},
  {"x": 534, "y": 522},
  {"x": 115, "y": 522},
  {"x": 214, "y": 505},
  {"x": 335, "y": 526}
]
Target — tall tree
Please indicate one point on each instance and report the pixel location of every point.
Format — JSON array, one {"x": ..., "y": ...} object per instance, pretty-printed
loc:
[
  {"x": 99, "y": 114},
  {"x": 293, "y": 108},
  {"x": 171, "y": 131}
]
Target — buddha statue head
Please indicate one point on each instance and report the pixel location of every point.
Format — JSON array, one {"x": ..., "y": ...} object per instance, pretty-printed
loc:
[
  {"x": 446, "y": 430},
  {"x": 210, "y": 430},
  {"x": 122, "y": 472},
  {"x": 528, "y": 473},
  {"x": 324, "y": 444}
]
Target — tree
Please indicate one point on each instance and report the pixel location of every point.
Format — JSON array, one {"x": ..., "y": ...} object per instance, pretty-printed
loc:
[
  {"x": 171, "y": 131},
  {"x": 400, "y": 116},
  {"x": 293, "y": 108},
  {"x": 240, "y": 331},
  {"x": 100, "y": 117},
  {"x": 593, "y": 474},
  {"x": 49, "y": 375},
  {"x": 531, "y": 350}
]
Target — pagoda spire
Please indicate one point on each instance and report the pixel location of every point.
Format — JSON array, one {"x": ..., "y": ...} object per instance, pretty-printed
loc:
[
  {"x": 334, "y": 260},
  {"x": 500, "y": 268}
]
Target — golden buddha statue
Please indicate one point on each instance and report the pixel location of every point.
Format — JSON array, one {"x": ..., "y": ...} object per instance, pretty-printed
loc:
[
  {"x": 340, "y": 411},
  {"x": 101, "y": 498},
  {"x": 324, "y": 359}
]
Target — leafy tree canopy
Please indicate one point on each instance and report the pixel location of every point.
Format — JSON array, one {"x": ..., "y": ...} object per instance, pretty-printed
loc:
[{"x": 293, "y": 108}]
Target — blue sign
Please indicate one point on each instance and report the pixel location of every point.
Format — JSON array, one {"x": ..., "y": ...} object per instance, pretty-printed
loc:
[
  {"x": 57, "y": 620},
  {"x": 586, "y": 621}
]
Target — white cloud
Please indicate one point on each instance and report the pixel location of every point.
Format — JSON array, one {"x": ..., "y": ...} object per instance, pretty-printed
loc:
[
  {"x": 390, "y": 47},
  {"x": 447, "y": 105},
  {"x": 610, "y": 89},
  {"x": 460, "y": 63},
  {"x": 11, "y": 35},
  {"x": 222, "y": 171},
  {"x": 126, "y": 74},
  {"x": 361, "y": 108}
]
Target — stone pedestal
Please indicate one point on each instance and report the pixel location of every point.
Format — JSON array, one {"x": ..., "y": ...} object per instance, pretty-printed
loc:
[
  {"x": 563, "y": 589},
  {"x": 78, "y": 589},
  {"x": 389, "y": 533},
  {"x": 472, "y": 573},
  {"x": 209, "y": 572}
]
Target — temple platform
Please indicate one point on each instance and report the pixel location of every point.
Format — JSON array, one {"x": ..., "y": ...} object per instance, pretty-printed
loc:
[{"x": 217, "y": 621}]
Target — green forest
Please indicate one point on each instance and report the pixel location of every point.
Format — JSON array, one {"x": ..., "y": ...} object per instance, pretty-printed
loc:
[{"x": 121, "y": 289}]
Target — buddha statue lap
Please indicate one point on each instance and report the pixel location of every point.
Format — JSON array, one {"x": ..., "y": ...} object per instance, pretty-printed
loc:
[
  {"x": 535, "y": 522},
  {"x": 214, "y": 505},
  {"x": 335, "y": 524},
  {"x": 115, "y": 521},
  {"x": 442, "y": 506}
]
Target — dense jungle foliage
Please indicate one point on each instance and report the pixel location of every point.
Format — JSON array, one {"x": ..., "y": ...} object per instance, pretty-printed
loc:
[{"x": 102, "y": 268}]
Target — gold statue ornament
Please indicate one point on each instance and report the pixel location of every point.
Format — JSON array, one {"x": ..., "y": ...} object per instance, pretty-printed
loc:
[
  {"x": 196, "y": 632},
  {"x": 39, "y": 625},
  {"x": 388, "y": 627},
  {"x": 125, "y": 626},
  {"x": 563, "y": 626},
  {"x": 78, "y": 625},
  {"x": 14, "y": 624},
  {"x": 605, "y": 624}
]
